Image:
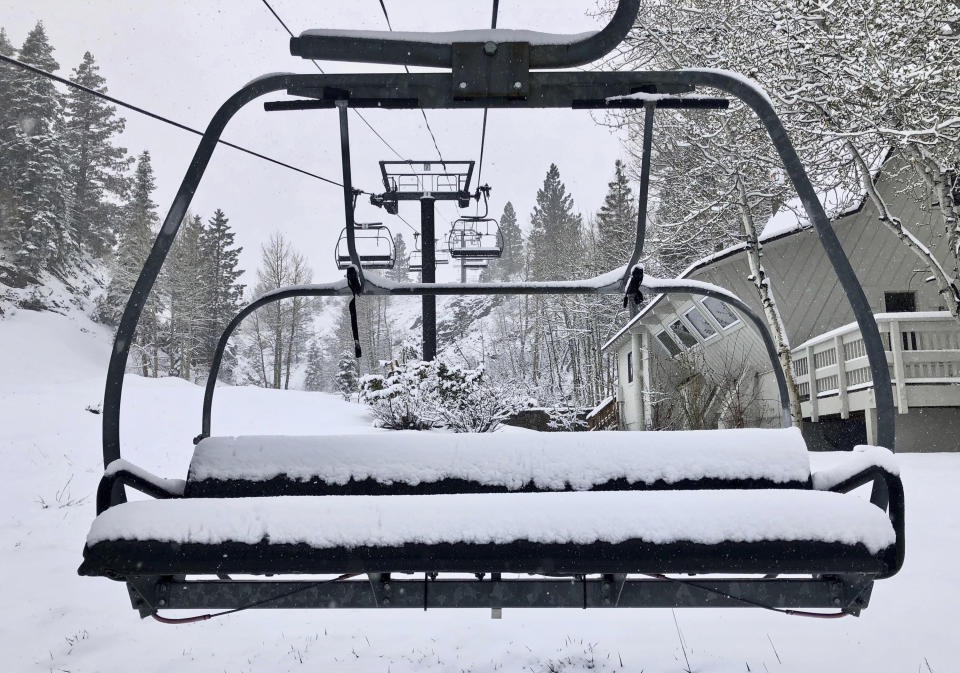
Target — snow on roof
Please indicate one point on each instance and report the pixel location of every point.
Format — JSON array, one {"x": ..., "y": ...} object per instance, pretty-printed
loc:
[
  {"x": 658, "y": 517},
  {"x": 596, "y": 410},
  {"x": 451, "y": 36}
]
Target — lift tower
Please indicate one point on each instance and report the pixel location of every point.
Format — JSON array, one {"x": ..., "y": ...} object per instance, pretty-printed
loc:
[{"x": 426, "y": 182}]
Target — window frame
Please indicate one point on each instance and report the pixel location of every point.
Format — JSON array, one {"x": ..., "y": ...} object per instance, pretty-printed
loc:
[
  {"x": 669, "y": 353},
  {"x": 680, "y": 321},
  {"x": 704, "y": 338},
  {"x": 629, "y": 366},
  {"x": 706, "y": 307}
]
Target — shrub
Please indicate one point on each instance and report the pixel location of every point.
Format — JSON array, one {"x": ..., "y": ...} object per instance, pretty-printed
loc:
[{"x": 422, "y": 395}]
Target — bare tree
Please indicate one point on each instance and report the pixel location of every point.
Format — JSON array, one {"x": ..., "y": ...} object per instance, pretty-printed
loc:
[{"x": 280, "y": 331}]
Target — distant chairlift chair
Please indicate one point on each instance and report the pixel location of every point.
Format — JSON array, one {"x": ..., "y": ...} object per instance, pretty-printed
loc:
[
  {"x": 722, "y": 518},
  {"x": 476, "y": 237},
  {"x": 375, "y": 247}
]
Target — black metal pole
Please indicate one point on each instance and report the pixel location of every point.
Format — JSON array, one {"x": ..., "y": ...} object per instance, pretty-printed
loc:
[
  {"x": 463, "y": 260},
  {"x": 648, "y": 112},
  {"x": 429, "y": 275},
  {"x": 348, "y": 186}
]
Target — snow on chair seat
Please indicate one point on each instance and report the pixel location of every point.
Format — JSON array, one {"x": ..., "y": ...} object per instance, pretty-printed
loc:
[
  {"x": 740, "y": 531},
  {"x": 406, "y": 463}
]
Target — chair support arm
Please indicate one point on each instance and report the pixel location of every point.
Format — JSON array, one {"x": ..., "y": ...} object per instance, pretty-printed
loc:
[
  {"x": 890, "y": 485},
  {"x": 121, "y": 473}
]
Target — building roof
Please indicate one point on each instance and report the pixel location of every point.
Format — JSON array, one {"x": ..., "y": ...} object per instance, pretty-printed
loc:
[{"x": 787, "y": 222}]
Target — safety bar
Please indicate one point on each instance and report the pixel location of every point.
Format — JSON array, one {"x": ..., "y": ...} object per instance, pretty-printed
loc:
[
  {"x": 610, "y": 283},
  {"x": 564, "y": 88},
  {"x": 437, "y": 49}
]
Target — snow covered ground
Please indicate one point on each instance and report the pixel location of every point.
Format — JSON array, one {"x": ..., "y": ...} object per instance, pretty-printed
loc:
[{"x": 52, "y": 620}]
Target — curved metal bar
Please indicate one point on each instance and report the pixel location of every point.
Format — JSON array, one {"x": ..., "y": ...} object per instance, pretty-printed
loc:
[
  {"x": 892, "y": 502},
  {"x": 131, "y": 314},
  {"x": 326, "y": 290},
  {"x": 386, "y": 47},
  {"x": 707, "y": 290},
  {"x": 377, "y": 286},
  {"x": 120, "y": 473}
]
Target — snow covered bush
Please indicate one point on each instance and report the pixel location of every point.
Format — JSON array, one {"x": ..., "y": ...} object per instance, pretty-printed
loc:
[
  {"x": 402, "y": 400},
  {"x": 482, "y": 409},
  {"x": 422, "y": 395}
]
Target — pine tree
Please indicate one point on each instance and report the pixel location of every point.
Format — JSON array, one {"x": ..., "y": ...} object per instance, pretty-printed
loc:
[
  {"x": 347, "y": 374},
  {"x": 135, "y": 241},
  {"x": 219, "y": 281},
  {"x": 616, "y": 222},
  {"x": 32, "y": 161},
  {"x": 314, "y": 377},
  {"x": 95, "y": 166},
  {"x": 555, "y": 245},
  {"x": 510, "y": 264},
  {"x": 6, "y": 136},
  {"x": 187, "y": 309},
  {"x": 402, "y": 267}
]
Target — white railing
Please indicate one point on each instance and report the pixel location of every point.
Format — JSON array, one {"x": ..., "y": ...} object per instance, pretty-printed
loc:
[{"x": 922, "y": 348}]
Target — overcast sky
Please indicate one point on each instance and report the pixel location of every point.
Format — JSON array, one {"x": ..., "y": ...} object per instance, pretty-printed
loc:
[{"x": 183, "y": 59}]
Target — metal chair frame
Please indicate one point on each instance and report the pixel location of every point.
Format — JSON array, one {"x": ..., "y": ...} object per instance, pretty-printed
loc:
[{"x": 504, "y": 75}]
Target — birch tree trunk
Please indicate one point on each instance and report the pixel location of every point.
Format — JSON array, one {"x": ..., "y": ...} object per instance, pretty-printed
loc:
[{"x": 770, "y": 309}]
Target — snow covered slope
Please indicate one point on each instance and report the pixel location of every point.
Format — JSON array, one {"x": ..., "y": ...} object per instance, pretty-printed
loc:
[{"x": 52, "y": 620}]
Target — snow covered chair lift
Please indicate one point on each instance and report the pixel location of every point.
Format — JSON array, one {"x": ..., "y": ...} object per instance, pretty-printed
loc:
[{"x": 600, "y": 519}]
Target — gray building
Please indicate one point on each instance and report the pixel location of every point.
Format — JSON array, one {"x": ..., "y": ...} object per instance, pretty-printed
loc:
[{"x": 683, "y": 361}]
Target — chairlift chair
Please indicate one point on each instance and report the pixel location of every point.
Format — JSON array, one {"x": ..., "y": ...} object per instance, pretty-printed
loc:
[
  {"x": 475, "y": 238},
  {"x": 374, "y": 244},
  {"x": 722, "y": 518},
  {"x": 416, "y": 261}
]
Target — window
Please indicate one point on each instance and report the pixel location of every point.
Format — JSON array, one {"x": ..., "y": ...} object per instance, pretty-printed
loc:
[
  {"x": 700, "y": 323},
  {"x": 722, "y": 313},
  {"x": 683, "y": 334},
  {"x": 899, "y": 302},
  {"x": 668, "y": 344},
  {"x": 629, "y": 366}
]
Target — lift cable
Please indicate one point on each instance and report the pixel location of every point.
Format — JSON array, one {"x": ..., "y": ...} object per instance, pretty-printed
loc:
[
  {"x": 355, "y": 111},
  {"x": 404, "y": 220},
  {"x": 153, "y": 115},
  {"x": 386, "y": 16},
  {"x": 483, "y": 132}
]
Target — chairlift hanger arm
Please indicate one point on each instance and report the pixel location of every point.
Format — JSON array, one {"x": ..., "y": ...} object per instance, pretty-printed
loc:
[{"x": 439, "y": 50}]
